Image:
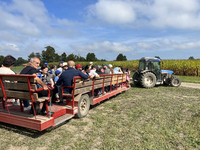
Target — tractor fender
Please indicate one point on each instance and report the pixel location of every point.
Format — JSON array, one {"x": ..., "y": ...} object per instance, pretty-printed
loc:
[{"x": 167, "y": 71}]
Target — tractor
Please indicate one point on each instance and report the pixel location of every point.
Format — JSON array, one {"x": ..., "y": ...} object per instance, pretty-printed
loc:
[{"x": 149, "y": 74}]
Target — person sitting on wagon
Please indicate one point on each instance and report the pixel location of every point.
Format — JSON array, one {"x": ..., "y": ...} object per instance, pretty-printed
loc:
[
  {"x": 8, "y": 62},
  {"x": 117, "y": 70},
  {"x": 65, "y": 66},
  {"x": 106, "y": 69},
  {"x": 46, "y": 77},
  {"x": 99, "y": 69},
  {"x": 93, "y": 71},
  {"x": 66, "y": 78},
  {"x": 79, "y": 67},
  {"x": 31, "y": 69}
]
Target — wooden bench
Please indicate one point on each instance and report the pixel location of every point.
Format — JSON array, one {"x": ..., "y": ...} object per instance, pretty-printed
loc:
[
  {"x": 81, "y": 86},
  {"x": 19, "y": 87}
]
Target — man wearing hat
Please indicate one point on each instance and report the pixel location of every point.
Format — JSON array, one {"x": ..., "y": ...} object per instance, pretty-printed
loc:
[
  {"x": 79, "y": 67},
  {"x": 106, "y": 69}
]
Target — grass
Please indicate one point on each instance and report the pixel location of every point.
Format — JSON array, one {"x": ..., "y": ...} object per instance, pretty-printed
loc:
[
  {"x": 159, "y": 118},
  {"x": 190, "y": 79},
  {"x": 17, "y": 69}
]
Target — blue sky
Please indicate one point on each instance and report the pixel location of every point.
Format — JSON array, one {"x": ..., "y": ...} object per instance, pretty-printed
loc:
[{"x": 135, "y": 28}]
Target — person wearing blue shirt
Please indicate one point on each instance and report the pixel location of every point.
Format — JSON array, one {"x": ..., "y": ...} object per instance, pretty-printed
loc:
[{"x": 67, "y": 76}]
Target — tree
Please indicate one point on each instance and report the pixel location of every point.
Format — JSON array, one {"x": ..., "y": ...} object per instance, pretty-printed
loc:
[
  {"x": 48, "y": 55},
  {"x": 1, "y": 59},
  {"x": 121, "y": 57},
  {"x": 20, "y": 61},
  {"x": 91, "y": 57},
  {"x": 31, "y": 56},
  {"x": 191, "y": 57},
  {"x": 63, "y": 57},
  {"x": 57, "y": 58},
  {"x": 81, "y": 58},
  {"x": 71, "y": 57},
  {"x": 124, "y": 58},
  {"x": 38, "y": 55}
]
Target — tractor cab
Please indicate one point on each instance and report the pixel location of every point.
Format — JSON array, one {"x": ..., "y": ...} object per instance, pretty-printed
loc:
[{"x": 150, "y": 64}]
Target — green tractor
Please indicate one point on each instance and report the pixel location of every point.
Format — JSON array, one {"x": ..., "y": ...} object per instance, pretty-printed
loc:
[{"x": 149, "y": 74}]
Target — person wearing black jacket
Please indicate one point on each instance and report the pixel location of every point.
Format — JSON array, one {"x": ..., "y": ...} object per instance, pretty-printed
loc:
[
  {"x": 66, "y": 78},
  {"x": 31, "y": 69}
]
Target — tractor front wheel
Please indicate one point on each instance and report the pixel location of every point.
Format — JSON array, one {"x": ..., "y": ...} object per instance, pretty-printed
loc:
[
  {"x": 175, "y": 81},
  {"x": 148, "y": 80}
]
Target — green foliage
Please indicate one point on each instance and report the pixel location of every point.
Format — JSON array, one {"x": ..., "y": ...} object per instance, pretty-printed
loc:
[
  {"x": 91, "y": 57},
  {"x": 191, "y": 57},
  {"x": 31, "y": 56},
  {"x": 20, "y": 61},
  {"x": 121, "y": 57},
  {"x": 1, "y": 59},
  {"x": 63, "y": 57},
  {"x": 48, "y": 55},
  {"x": 71, "y": 57}
]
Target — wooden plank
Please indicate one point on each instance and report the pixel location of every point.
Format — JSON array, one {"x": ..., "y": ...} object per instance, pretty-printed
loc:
[
  {"x": 20, "y": 95},
  {"x": 101, "y": 77},
  {"x": 19, "y": 86},
  {"x": 17, "y": 78},
  {"x": 89, "y": 88},
  {"x": 88, "y": 83}
]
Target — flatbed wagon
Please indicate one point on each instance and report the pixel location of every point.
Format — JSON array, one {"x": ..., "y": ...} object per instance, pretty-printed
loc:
[{"x": 84, "y": 93}]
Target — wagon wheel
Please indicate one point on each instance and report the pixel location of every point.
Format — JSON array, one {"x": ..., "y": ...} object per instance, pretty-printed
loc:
[
  {"x": 148, "y": 80},
  {"x": 83, "y": 106},
  {"x": 175, "y": 82}
]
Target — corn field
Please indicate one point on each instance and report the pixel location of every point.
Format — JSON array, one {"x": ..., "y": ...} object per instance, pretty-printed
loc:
[{"x": 180, "y": 67}]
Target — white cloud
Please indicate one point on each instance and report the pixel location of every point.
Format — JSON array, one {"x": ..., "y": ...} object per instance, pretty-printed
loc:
[
  {"x": 11, "y": 37},
  {"x": 180, "y": 14},
  {"x": 9, "y": 47},
  {"x": 187, "y": 45},
  {"x": 113, "y": 12},
  {"x": 105, "y": 46},
  {"x": 32, "y": 19}
]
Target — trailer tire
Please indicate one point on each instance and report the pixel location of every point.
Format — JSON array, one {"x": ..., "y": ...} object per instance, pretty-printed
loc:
[
  {"x": 175, "y": 82},
  {"x": 83, "y": 106},
  {"x": 148, "y": 80}
]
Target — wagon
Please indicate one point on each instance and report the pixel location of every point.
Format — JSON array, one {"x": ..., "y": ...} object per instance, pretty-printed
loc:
[{"x": 84, "y": 94}]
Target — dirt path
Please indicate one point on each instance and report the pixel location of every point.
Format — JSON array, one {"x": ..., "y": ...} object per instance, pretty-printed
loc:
[{"x": 191, "y": 85}]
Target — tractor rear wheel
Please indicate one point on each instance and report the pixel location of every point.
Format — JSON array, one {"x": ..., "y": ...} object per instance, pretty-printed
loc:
[
  {"x": 175, "y": 81},
  {"x": 148, "y": 80}
]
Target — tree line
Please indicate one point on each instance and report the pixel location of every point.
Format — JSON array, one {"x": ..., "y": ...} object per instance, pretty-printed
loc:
[{"x": 49, "y": 55}]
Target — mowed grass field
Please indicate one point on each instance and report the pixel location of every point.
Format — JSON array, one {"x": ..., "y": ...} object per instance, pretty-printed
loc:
[{"x": 159, "y": 118}]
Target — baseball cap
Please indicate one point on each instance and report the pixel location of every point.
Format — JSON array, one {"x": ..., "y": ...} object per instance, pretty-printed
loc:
[
  {"x": 64, "y": 64},
  {"x": 45, "y": 63},
  {"x": 110, "y": 66},
  {"x": 91, "y": 63},
  {"x": 105, "y": 64},
  {"x": 93, "y": 67},
  {"x": 57, "y": 72},
  {"x": 78, "y": 66}
]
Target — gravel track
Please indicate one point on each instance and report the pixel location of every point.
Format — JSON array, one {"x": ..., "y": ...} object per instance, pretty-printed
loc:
[{"x": 190, "y": 85}]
